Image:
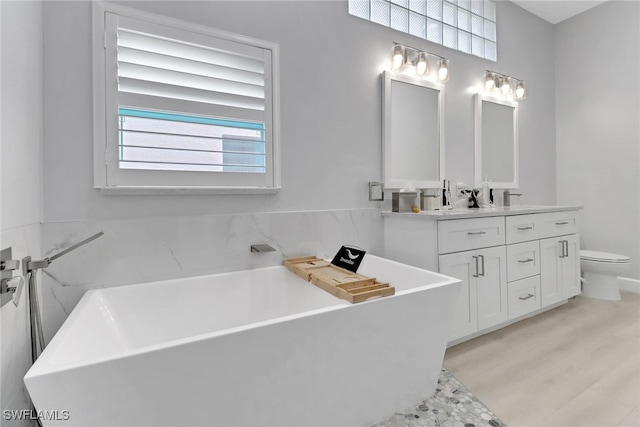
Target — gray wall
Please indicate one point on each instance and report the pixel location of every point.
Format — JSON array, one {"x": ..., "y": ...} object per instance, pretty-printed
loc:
[
  {"x": 330, "y": 106},
  {"x": 331, "y": 145},
  {"x": 598, "y": 133},
  {"x": 21, "y": 178}
]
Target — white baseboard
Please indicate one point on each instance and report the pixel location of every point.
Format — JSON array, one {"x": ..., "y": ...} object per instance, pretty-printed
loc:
[{"x": 629, "y": 285}]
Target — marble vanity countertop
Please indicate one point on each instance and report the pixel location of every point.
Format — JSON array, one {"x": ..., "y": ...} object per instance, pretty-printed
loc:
[{"x": 482, "y": 212}]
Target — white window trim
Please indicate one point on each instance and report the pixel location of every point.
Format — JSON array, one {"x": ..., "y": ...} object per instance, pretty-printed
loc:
[{"x": 100, "y": 94}]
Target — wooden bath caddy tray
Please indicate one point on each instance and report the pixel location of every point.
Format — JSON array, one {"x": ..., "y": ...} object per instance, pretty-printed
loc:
[{"x": 337, "y": 281}]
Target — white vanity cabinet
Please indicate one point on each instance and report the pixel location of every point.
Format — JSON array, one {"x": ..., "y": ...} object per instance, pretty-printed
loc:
[
  {"x": 555, "y": 235},
  {"x": 523, "y": 265},
  {"x": 560, "y": 249},
  {"x": 513, "y": 263},
  {"x": 473, "y": 251},
  {"x": 482, "y": 302}
]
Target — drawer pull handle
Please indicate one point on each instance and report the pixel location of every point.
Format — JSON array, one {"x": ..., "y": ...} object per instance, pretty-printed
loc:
[
  {"x": 522, "y": 261},
  {"x": 476, "y": 233},
  {"x": 527, "y": 297},
  {"x": 562, "y": 223},
  {"x": 525, "y": 228}
]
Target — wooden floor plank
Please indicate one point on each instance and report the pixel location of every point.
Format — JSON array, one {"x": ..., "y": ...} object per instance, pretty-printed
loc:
[{"x": 573, "y": 366}]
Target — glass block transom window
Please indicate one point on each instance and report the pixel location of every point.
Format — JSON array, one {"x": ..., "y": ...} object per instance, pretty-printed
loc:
[{"x": 465, "y": 25}]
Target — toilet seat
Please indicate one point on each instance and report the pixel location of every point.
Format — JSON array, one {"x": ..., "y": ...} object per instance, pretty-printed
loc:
[{"x": 604, "y": 257}]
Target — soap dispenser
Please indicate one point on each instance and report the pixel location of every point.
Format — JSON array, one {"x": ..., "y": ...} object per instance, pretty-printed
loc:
[{"x": 485, "y": 199}]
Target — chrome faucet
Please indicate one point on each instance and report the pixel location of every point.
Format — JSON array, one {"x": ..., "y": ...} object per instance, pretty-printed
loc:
[
  {"x": 261, "y": 248},
  {"x": 29, "y": 269},
  {"x": 506, "y": 197}
]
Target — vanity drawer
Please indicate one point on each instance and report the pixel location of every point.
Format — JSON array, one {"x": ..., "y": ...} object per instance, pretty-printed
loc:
[
  {"x": 466, "y": 234},
  {"x": 558, "y": 223},
  {"x": 522, "y": 228},
  {"x": 524, "y": 296},
  {"x": 523, "y": 260}
]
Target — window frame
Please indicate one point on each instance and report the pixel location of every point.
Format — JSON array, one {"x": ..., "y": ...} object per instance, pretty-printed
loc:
[{"x": 107, "y": 175}]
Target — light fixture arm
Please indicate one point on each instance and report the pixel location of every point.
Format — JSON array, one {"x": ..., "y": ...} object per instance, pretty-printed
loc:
[{"x": 416, "y": 50}]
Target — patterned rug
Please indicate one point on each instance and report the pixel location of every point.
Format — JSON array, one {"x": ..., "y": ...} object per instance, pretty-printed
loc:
[{"x": 451, "y": 406}]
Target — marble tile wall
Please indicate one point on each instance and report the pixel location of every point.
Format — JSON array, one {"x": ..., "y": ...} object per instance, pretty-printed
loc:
[{"x": 148, "y": 249}]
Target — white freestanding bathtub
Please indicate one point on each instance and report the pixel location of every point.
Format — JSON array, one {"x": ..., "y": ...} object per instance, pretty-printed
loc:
[{"x": 257, "y": 347}]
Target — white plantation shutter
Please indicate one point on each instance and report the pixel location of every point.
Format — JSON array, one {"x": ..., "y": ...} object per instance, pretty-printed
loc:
[
  {"x": 187, "y": 107},
  {"x": 155, "y": 69}
]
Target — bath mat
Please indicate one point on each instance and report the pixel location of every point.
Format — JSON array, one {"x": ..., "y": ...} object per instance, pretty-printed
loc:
[{"x": 451, "y": 406}]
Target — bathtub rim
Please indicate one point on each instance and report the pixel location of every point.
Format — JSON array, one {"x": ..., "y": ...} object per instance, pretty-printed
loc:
[{"x": 44, "y": 367}]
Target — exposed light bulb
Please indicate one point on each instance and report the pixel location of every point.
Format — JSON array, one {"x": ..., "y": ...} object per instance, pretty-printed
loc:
[
  {"x": 421, "y": 66},
  {"x": 443, "y": 70},
  {"x": 505, "y": 87},
  {"x": 489, "y": 81},
  {"x": 520, "y": 90},
  {"x": 398, "y": 57},
  {"x": 397, "y": 61}
]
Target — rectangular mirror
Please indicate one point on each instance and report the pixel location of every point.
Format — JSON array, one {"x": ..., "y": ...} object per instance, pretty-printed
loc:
[
  {"x": 496, "y": 142},
  {"x": 412, "y": 132}
]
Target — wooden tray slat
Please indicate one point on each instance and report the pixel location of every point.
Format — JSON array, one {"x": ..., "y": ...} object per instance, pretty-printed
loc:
[
  {"x": 362, "y": 296},
  {"x": 302, "y": 266},
  {"x": 339, "y": 282},
  {"x": 356, "y": 290}
]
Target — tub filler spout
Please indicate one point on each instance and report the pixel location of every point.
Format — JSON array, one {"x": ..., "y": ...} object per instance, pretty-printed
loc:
[{"x": 262, "y": 248}]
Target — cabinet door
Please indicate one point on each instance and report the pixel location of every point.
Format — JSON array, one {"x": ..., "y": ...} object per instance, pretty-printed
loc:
[
  {"x": 550, "y": 271},
  {"x": 492, "y": 287},
  {"x": 571, "y": 266},
  {"x": 465, "y": 316},
  {"x": 559, "y": 268}
]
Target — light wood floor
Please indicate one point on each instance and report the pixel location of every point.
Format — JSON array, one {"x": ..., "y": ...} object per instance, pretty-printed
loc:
[{"x": 576, "y": 365}]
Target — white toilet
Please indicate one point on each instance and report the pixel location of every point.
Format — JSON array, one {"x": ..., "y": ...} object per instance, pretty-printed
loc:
[{"x": 600, "y": 271}]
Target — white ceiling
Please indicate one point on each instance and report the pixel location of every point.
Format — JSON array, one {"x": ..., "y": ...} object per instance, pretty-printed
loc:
[{"x": 556, "y": 11}]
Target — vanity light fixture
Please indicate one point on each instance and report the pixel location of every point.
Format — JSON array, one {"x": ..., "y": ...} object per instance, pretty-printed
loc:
[
  {"x": 502, "y": 84},
  {"x": 443, "y": 70},
  {"x": 521, "y": 91},
  {"x": 422, "y": 67},
  {"x": 505, "y": 86},
  {"x": 404, "y": 56},
  {"x": 397, "y": 60},
  {"x": 489, "y": 80}
]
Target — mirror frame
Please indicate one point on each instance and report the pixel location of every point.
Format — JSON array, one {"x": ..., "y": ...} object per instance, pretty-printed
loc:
[
  {"x": 387, "y": 152},
  {"x": 478, "y": 181}
]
